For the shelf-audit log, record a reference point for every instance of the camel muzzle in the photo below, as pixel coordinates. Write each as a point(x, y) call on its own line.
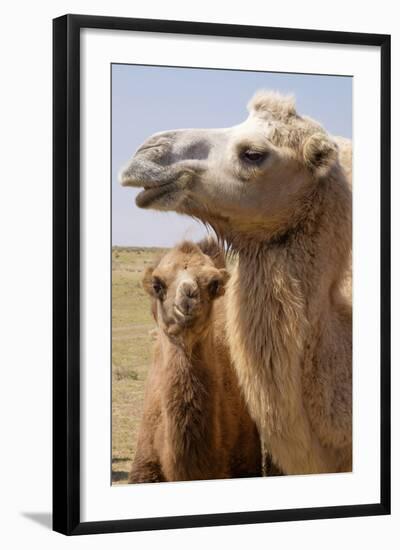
point(165, 157)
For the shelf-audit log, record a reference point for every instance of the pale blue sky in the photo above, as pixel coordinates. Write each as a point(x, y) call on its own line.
point(146, 100)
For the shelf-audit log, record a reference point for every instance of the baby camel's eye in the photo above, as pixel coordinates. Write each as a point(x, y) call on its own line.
point(158, 287)
point(213, 287)
point(251, 156)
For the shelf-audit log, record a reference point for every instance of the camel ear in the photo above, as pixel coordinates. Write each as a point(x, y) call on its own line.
point(320, 153)
point(216, 286)
point(211, 248)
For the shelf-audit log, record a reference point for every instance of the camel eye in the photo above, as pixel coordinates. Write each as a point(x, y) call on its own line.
point(213, 287)
point(158, 287)
point(253, 157)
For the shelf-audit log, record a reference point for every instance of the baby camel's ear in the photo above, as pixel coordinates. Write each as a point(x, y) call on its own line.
point(147, 281)
point(216, 286)
point(320, 153)
point(211, 248)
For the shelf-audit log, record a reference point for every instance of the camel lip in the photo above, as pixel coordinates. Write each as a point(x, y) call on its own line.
point(131, 181)
point(128, 181)
point(181, 313)
point(149, 194)
point(186, 319)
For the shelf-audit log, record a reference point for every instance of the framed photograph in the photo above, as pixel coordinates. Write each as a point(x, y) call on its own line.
point(221, 274)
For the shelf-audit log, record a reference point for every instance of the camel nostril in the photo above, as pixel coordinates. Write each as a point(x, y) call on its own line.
point(189, 290)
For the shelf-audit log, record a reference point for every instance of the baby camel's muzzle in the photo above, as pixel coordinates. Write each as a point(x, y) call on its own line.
point(187, 300)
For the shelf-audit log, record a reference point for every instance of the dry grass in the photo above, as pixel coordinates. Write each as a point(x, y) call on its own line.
point(131, 351)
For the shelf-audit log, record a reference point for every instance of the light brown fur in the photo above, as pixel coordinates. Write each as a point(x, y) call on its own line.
point(195, 424)
point(277, 189)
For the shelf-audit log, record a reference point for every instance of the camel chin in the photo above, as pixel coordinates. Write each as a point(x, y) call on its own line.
point(158, 198)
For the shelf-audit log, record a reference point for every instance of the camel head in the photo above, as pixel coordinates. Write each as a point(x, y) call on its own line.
point(184, 285)
point(253, 178)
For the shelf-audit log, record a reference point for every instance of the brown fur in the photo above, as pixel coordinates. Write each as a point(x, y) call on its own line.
point(297, 380)
point(288, 216)
point(195, 424)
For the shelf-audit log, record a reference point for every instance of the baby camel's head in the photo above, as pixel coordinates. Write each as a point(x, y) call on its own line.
point(184, 284)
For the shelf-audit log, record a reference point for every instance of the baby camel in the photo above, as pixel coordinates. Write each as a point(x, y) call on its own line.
point(195, 424)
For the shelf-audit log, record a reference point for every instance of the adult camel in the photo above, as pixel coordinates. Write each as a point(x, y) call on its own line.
point(276, 189)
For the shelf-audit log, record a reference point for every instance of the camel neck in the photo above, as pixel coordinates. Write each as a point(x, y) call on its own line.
point(279, 293)
point(186, 356)
point(312, 258)
point(189, 402)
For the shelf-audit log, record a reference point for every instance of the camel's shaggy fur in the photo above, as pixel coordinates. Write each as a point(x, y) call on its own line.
point(195, 423)
point(277, 189)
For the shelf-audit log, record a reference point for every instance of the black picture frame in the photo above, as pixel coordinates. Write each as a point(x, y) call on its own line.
point(66, 273)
